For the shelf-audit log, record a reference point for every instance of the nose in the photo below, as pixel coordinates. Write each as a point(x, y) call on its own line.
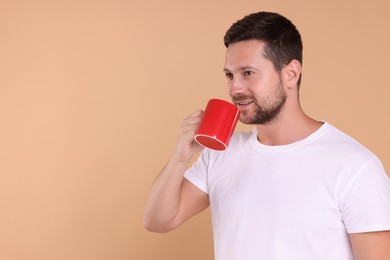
point(235, 87)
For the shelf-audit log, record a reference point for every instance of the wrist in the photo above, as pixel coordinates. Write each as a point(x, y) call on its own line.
point(179, 158)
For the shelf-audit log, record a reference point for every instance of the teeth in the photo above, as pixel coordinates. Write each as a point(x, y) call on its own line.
point(245, 103)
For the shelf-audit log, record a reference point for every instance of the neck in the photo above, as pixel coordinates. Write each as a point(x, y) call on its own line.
point(290, 126)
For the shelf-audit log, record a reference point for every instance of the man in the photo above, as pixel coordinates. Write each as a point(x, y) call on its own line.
point(294, 188)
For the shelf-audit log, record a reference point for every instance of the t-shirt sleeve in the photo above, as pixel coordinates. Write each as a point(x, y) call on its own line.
point(197, 173)
point(365, 200)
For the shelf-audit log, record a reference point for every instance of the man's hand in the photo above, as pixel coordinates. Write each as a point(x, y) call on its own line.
point(186, 146)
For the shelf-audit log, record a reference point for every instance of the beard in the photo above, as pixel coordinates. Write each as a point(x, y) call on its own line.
point(267, 110)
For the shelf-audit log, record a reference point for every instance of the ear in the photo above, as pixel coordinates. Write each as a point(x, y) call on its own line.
point(291, 74)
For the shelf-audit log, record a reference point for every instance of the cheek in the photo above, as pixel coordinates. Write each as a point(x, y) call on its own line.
point(265, 84)
point(257, 86)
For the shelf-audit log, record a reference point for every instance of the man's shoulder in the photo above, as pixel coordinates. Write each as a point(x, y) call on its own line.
point(340, 141)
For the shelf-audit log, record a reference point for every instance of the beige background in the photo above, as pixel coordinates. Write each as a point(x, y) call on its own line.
point(92, 93)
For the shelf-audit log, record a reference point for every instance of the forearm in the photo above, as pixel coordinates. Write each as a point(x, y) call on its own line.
point(371, 245)
point(164, 197)
point(165, 202)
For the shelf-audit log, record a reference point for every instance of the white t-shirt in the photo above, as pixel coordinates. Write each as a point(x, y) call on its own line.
point(292, 202)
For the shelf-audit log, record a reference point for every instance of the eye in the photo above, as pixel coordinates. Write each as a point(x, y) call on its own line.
point(248, 73)
point(229, 75)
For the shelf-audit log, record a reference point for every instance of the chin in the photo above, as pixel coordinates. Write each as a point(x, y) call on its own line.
point(246, 120)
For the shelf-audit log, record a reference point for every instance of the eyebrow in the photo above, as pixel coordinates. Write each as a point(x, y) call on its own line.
point(241, 68)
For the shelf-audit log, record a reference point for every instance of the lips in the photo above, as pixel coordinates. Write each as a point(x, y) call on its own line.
point(244, 103)
point(241, 103)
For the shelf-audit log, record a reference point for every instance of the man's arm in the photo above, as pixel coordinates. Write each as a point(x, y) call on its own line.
point(371, 245)
point(173, 199)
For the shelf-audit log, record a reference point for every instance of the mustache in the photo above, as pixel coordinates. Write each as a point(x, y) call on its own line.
point(241, 97)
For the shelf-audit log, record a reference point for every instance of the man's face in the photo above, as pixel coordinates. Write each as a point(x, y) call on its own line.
point(254, 85)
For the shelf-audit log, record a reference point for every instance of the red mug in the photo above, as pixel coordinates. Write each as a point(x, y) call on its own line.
point(217, 125)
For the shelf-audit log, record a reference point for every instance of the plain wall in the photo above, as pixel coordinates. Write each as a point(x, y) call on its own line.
point(92, 94)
